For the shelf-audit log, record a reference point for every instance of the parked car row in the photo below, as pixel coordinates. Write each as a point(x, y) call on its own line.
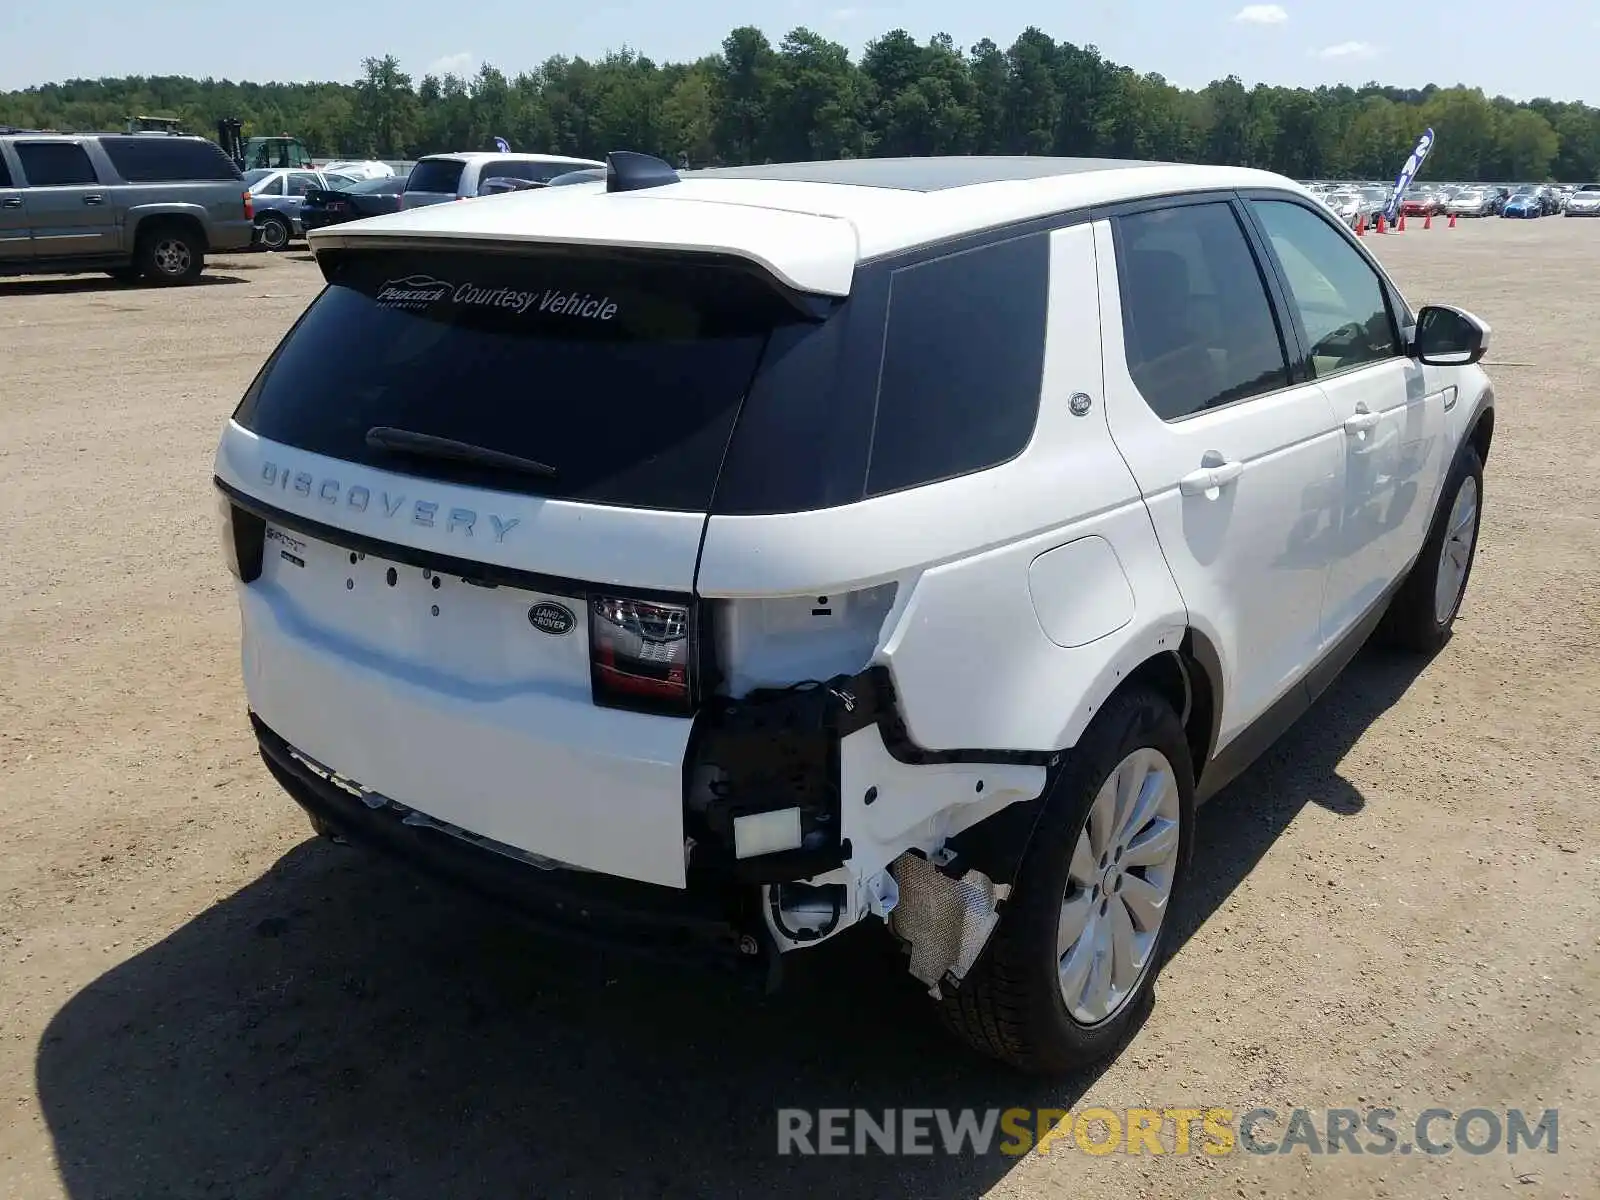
point(1354, 202)
point(291, 203)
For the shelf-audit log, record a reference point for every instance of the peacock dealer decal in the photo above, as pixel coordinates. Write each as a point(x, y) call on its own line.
point(417, 293)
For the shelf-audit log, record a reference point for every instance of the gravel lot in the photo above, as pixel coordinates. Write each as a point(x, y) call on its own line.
point(1398, 907)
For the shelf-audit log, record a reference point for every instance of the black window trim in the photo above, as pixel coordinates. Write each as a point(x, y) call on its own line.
point(1290, 336)
point(1394, 303)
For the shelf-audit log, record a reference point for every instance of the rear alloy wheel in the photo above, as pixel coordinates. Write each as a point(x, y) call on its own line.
point(170, 254)
point(274, 232)
point(1423, 612)
point(1084, 932)
point(1118, 884)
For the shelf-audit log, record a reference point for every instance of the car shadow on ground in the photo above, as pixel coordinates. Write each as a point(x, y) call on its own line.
point(337, 1028)
point(75, 284)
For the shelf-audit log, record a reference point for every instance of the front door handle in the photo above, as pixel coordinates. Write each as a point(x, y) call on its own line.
point(1209, 481)
point(1362, 421)
point(11, 202)
point(94, 199)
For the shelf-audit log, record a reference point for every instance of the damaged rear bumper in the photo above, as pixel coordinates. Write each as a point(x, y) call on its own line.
point(927, 841)
point(583, 905)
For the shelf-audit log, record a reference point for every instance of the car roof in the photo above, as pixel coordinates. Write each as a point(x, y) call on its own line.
point(808, 223)
point(470, 156)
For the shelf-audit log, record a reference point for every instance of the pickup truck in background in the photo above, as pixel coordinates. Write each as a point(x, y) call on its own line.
point(136, 206)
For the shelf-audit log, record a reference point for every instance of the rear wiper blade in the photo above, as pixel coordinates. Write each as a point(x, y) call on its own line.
point(426, 445)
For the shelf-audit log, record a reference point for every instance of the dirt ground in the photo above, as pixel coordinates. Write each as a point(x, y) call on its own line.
point(1398, 907)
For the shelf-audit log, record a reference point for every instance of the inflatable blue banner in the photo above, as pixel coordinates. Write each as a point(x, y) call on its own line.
point(502, 145)
point(1408, 173)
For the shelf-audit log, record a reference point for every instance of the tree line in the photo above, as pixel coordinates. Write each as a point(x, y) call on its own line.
point(806, 98)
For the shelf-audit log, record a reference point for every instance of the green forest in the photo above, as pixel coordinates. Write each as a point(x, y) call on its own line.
point(807, 98)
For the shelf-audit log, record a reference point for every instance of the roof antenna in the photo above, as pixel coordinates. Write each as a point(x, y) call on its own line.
point(629, 171)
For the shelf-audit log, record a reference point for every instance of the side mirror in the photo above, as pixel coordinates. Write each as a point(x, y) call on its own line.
point(1449, 337)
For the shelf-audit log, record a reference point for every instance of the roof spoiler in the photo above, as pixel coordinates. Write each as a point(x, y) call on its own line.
point(630, 171)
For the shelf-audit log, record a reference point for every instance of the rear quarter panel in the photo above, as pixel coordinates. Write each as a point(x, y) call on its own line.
point(965, 640)
point(217, 205)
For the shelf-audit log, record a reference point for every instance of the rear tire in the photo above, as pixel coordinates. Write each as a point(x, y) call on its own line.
point(1014, 1004)
point(1423, 612)
point(170, 253)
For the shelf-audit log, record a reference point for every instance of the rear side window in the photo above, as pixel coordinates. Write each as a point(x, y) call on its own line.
point(435, 175)
point(167, 160)
point(55, 164)
point(963, 362)
point(624, 377)
point(1197, 326)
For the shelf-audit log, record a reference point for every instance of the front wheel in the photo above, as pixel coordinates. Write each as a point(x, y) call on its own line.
point(1084, 932)
point(1423, 612)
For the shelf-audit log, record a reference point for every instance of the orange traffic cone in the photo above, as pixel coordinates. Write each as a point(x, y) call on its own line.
point(1401, 227)
point(1381, 228)
point(1361, 224)
point(1427, 220)
point(1452, 220)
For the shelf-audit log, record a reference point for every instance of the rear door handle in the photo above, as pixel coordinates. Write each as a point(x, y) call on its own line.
point(1362, 421)
point(94, 199)
point(11, 202)
point(1209, 481)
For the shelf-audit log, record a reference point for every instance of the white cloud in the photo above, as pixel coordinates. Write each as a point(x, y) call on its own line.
point(1261, 14)
point(1359, 51)
point(462, 64)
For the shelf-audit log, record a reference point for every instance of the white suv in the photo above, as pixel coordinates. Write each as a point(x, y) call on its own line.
point(723, 561)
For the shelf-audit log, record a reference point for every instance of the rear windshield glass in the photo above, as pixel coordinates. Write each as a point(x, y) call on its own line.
point(623, 376)
point(535, 171)
point(435, 175)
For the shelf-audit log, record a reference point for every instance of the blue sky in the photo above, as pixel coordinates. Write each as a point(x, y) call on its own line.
point(1537, 48)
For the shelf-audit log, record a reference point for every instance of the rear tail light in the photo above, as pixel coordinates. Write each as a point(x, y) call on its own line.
point(249, 207)
point(643, 654)
point(243, 536)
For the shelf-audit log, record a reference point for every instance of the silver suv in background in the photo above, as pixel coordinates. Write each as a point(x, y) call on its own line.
point(441, 177)
point(134, 206)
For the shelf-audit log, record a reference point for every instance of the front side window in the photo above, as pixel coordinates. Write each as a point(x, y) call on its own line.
point(1338, 296)
point(301, 182)
point(1197, 324)
point(55, 164)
